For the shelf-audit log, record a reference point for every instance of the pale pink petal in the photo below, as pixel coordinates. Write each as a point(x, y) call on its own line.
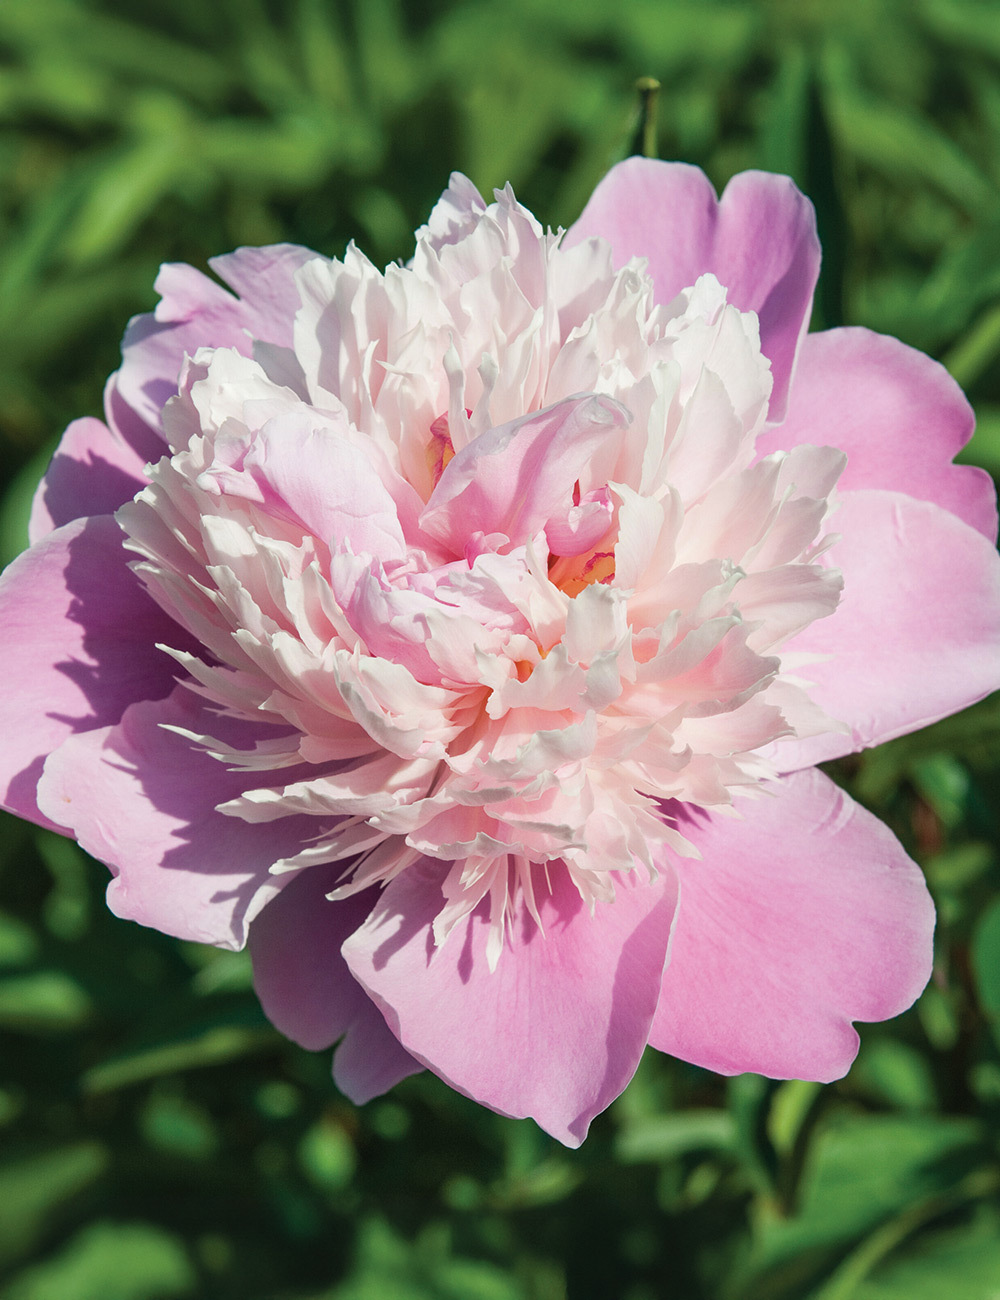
point(798, 919)
point(898, 415)
point(195, 312)
point(93, 472)
point(264, 278)
point(917, 633)
point(142, 800)
point(308, 993)
point(456, 212)
point(582, 526)
point(759, 240)
point(557, 1029)
point(77, 642)
point(514, 478)
point(328, 483)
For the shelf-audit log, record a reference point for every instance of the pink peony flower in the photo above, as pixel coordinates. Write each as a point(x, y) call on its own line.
point(464, 637)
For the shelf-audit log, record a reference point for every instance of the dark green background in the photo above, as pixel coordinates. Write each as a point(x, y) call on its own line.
point(157, 1138)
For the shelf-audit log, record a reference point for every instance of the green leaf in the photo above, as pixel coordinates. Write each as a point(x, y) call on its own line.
point(15, 510)
point(67, 905)
point(327, 1155)
point(43, 1002)
point(18, 943)
point(390, 71)
point(963, 282)
point(177, 1125)
point(219, 970)
point(327, 61)
point(955, 870)
point(986, 963)
point(513, 94)
point(194, 1050)
point(963, 1265)
point(546, 1183)
point(971, 25)
point(749, 1101)
point(784, 122)
point(673, 39)
point(973, 1267)
point(978, 349)
point(111, 1261)
point(862, 1172)
point(896, 141)
point(939, 1017)
point(666, 1137)
point(896, 1074)
point(33, 1185)
point(94, 39)
point(944, 783)
point(388, 1265)
point(122, 194)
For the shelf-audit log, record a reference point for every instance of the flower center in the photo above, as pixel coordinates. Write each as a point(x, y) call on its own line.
point(572, 573)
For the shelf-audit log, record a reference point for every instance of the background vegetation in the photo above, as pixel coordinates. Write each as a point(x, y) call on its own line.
point(157, 1138)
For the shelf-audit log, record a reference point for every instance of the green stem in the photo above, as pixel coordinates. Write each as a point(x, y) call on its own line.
point(648, 89)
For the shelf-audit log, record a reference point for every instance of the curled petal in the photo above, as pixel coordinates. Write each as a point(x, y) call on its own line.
point(513, 479)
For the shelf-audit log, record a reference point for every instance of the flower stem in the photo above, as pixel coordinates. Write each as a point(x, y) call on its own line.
point(648, 89)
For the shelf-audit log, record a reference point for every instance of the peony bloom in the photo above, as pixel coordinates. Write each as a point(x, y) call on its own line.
point(464, 636)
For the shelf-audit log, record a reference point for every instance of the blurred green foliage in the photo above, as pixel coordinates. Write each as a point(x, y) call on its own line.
point(158, 1138)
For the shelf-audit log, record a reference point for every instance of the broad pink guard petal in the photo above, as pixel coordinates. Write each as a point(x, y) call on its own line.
point(917, 633)
point(899, 415)
point(309, 994)
point(759, 240)
point(179, 865)
point(556, 1031)
point(78, 644)
point(800, 917)
point(93, 472)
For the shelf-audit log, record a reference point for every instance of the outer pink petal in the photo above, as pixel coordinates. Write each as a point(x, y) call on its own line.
point(197, 312)
point(916, 636)
point(93, 472)
point(147, 442)
point(800, 918)
point(142, 799)
point(759, 240)
point(556, 1031)
point(899, 416)
point(77, 642)
point(309, 994)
